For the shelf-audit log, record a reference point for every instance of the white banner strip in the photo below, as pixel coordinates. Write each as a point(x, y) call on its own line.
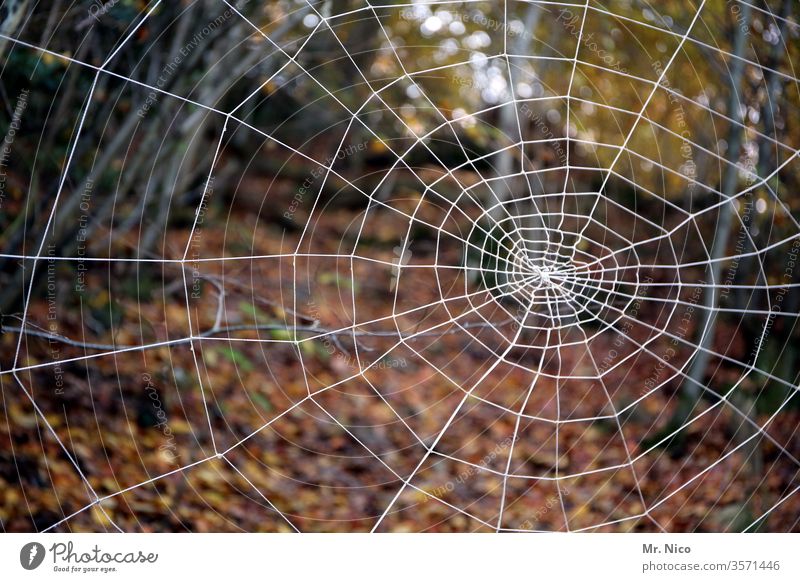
point(400, 557)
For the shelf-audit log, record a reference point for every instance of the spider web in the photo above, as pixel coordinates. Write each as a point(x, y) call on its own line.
point(499, 308)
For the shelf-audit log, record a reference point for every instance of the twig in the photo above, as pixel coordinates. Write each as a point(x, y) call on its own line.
point(215, 331)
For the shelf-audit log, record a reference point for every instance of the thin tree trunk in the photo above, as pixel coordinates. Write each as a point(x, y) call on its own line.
point(755, 454)
point(509, 114)
point(690, 391)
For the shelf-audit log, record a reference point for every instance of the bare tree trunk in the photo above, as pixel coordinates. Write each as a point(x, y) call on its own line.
point(510, 123)
point(755, 454)
point(166, 178)
point(690, 391)
point(509, 115)
point(15, 14)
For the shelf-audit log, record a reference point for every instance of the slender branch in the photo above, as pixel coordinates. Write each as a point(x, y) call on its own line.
point(216, 331)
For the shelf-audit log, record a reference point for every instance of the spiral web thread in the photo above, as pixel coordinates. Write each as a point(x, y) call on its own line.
point(531, 285)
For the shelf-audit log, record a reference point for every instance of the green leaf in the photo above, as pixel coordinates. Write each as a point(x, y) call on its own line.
point(263, 402)
point(238, 358)
point(253, 311)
